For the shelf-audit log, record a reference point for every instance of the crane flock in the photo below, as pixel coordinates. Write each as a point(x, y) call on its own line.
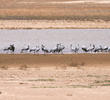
point(59, 49)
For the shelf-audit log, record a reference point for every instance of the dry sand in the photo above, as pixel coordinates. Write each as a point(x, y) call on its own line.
point(55, 77)
point(79, 1)
point(38, 14)
point(54, 24)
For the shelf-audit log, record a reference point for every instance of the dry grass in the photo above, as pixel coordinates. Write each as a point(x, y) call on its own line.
point(81, 86)
point(96, 83)
point(43, 80)
point(102, 82)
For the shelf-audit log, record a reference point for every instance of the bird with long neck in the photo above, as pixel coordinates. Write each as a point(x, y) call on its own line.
point(74, 49)
point(44, 49)
point(25, 49)
point(10, 48)
point(91, 48)
point(60, 48)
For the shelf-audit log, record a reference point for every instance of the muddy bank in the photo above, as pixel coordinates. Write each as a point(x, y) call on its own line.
point(72, 60)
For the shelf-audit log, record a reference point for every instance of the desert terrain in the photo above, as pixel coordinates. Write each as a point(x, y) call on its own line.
point(54, 14)
point(54, 76)
point(67, 77)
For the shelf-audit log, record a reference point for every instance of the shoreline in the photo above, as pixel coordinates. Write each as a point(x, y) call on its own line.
point(53, 24)
point(40, 60)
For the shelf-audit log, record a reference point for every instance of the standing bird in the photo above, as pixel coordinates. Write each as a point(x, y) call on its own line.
point(98, 49)
point(35, 49)
point(60, 48)
point(90, 49)
point(74, 49)
point(25, 49)
point(44, 49)
point(10, 48)
point(108, 49)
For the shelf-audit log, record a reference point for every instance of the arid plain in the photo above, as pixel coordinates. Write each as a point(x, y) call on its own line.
point(54, 14)
point(52, 76)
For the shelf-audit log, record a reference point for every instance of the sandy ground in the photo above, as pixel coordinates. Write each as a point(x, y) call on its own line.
point(50, 77)
point(54, 24)
point(88, 83)
point(68, 2)
point(55, 77)
point(38, 14)
point(55, 60)
point(80, 1)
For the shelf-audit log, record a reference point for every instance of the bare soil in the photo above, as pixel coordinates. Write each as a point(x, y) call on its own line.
point(55, 10)
point(55, 77)
point(72, 60)
point(53, 24)
point(37, 14)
